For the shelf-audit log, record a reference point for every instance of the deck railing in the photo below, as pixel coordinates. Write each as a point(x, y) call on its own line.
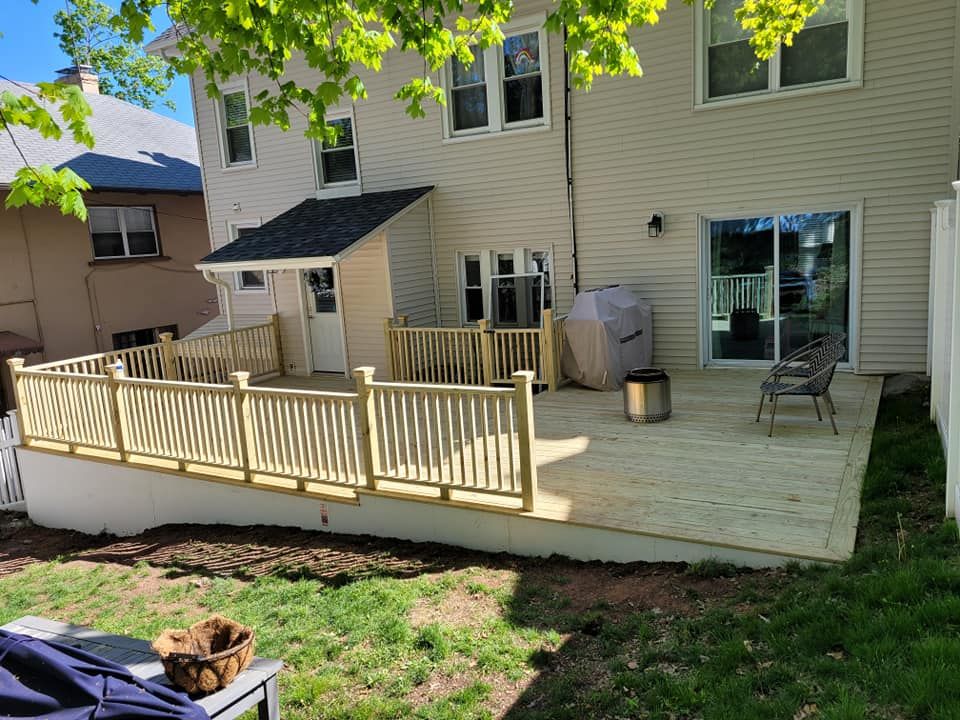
point(449, 438)
point(209, 359)
point(474, 355)
point(733, 292)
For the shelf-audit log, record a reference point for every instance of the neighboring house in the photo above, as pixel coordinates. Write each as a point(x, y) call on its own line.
point(73, 288)
point(755, 209)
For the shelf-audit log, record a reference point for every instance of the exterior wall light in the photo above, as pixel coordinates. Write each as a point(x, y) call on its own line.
point(655, 226)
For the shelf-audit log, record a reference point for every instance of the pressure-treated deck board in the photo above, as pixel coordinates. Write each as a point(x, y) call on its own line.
point(710, 474)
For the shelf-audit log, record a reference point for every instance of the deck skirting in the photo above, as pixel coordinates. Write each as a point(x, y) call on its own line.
point(94, 495)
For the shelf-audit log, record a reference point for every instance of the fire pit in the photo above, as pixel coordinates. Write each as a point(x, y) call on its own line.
point(646, 395)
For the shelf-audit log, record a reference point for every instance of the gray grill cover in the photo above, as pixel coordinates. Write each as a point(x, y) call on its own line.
point(608, 333)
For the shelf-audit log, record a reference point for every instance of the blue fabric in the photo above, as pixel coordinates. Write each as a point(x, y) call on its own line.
point(50, 680)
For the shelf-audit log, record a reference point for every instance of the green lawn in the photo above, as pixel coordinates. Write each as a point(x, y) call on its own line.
point(384, 634)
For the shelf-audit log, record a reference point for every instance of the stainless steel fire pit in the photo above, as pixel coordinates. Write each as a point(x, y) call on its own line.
point(646, 395)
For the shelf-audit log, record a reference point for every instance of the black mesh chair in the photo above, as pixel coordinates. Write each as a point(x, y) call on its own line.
point(814, 366)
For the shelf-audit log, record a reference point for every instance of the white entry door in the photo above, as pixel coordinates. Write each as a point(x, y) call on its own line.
point(323, 317)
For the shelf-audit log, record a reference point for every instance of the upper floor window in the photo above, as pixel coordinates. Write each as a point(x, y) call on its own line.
point(338, 163)
point(119, 232)
point(237, 132)
point(505, 87)
point(827, 51)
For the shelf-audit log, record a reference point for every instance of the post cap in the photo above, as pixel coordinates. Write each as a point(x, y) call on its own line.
point(166, 336)
point(15, 362)
point(522, 376)
point(239, 375)
point(365, 372)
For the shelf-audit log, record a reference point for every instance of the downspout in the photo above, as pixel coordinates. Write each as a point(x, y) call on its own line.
point(227, 293)
point(568, 159)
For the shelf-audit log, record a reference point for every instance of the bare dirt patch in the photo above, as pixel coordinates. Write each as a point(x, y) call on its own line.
point(458, 607)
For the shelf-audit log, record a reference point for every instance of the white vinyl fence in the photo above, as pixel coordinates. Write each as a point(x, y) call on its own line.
point(11, 492)
point(944, 339)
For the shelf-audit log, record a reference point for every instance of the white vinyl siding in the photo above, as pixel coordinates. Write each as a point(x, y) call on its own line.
point(411, 267)
point(366, 302)
point(638, 147)
point(886, 145)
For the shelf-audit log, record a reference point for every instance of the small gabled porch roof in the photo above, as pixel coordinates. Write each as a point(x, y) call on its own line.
point(315, 232)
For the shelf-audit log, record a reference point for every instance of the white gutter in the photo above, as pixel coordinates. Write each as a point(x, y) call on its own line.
point(281, 264)
point(227, 293)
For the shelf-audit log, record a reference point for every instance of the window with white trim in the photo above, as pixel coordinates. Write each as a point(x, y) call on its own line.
point(505, 87)
point(828, 51)
point(509, 288)
point(246, 280)
point(120, 232)
point(237, 132)
point(338, 163)
point(471, 282)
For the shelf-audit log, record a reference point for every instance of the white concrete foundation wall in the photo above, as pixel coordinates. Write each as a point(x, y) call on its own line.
point(94, 496)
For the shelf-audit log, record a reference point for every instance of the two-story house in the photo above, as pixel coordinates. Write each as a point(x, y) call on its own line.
point(755, 205)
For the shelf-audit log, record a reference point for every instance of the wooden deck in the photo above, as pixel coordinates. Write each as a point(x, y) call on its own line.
point(710, 474)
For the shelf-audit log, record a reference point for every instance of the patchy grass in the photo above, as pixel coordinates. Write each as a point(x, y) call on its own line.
point(371, 630)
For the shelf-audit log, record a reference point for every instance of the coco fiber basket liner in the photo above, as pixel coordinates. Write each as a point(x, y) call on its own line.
point(207, 656)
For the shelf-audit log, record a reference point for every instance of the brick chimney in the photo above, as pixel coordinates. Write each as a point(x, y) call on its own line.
point(81, 75)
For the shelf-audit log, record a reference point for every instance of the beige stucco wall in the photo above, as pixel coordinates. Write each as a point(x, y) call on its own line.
point(51, 290)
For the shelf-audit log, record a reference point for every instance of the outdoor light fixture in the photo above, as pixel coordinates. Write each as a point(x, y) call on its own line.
point(655, 226)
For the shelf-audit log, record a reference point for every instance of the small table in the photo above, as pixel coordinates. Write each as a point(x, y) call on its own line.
point(257, 685)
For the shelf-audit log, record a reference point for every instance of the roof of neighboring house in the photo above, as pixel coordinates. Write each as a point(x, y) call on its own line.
point(136, 149)
point(318, 228)
point(168, 38)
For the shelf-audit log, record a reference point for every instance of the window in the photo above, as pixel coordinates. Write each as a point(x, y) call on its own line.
point(472, 279)
point(248, 279)
point(145, 336)
point(468, 93)
point(505, 87)
point(338, 164)
point(511, 284)
point(237, 131)
point(119, 232)
point(826, 52)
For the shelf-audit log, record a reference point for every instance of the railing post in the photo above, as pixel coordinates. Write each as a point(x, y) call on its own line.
point(167, 357)
point(368, 425)
point(391, 350)
point(117, 410)
point(240, 381)
point(548, 349)
point(275, 325)
point(403, 320)
point(523, 390)
point(19, 396)
point(486, 352)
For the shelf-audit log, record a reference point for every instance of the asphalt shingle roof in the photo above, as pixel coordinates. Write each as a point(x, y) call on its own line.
point(135, 149)
point(318, 228)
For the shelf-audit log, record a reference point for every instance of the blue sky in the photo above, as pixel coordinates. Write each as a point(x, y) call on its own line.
point(29, 52)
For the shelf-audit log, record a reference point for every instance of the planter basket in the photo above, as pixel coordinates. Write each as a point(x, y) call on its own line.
point(207, 656)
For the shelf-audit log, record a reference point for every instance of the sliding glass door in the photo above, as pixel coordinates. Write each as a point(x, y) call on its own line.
point(776, 282)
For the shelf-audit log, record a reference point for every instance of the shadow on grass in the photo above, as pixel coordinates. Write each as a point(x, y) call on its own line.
point(877, 637)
